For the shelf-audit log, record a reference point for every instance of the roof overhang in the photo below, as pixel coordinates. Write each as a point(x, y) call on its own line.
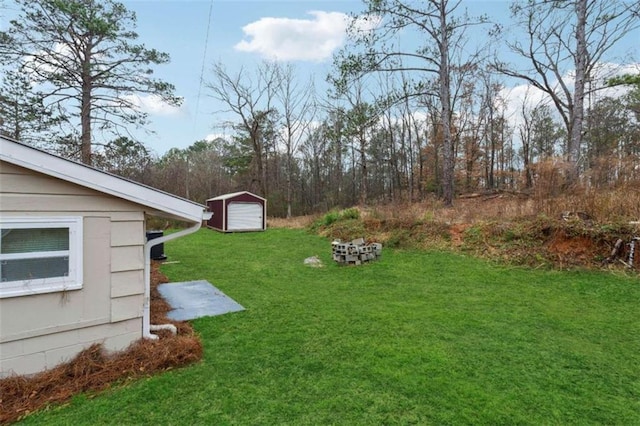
point(155, 201)
point(235, 194)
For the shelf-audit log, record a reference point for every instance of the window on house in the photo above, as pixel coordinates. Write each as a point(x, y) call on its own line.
point(40, 255)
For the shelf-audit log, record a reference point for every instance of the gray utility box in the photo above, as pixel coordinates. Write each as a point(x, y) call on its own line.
point(355, 252)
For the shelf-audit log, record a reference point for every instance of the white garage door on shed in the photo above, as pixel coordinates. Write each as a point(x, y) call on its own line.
point(244, 216)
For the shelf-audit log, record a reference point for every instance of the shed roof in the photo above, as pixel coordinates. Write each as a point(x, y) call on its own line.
point(159, 202)
point(234, 194)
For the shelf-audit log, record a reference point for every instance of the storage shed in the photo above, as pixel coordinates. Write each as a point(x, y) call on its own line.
point(238, 212)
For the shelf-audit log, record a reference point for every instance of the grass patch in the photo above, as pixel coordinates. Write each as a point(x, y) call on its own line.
point(414, 338)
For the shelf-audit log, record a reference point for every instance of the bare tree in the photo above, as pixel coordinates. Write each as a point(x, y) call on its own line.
point(472, 118)
point(565, 42)
point(334, 133)
point(251, 98)
point(297, 102)
point(316, 166)
point(360, 118)
point(490, 95)
point(383, 52)
point(525, 130)
point(82, 53)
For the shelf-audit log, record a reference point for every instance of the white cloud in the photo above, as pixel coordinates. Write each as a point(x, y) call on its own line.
point(42, 61)
point(289, 39)
point(154, 105)
point(530, 97)
point(213, 136)
point(522, 95)
point(366, 23)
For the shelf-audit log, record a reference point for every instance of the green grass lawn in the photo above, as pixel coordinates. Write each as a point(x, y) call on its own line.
point(415, 338)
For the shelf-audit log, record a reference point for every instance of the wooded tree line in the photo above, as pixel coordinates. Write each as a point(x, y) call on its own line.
point(401, 121)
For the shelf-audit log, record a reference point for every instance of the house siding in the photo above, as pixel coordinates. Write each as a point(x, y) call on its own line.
point(28, 356)
point(40, 331)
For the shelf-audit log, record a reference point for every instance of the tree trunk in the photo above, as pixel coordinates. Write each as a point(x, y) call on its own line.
point(492, 153)
point(338, 146)
point(445, 101)
point(577, 117)
point(526, 155)
point(289, 191)
point(363, 168)
point(85, 118)
point(259, 154)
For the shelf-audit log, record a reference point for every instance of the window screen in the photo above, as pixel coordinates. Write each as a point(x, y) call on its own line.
point(34, 240)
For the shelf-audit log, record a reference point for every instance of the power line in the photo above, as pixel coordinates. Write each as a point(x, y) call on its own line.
point(204, 58)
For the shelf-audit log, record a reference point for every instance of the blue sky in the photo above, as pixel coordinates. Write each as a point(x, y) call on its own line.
point(197, 33)
point(241, 33)
point(179, 27)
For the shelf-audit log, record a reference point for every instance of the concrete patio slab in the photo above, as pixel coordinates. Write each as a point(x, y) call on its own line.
point(195, 299)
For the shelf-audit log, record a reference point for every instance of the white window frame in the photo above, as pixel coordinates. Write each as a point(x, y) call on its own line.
point(46, 285)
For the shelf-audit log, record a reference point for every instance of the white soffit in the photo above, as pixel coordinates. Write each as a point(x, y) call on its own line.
point(43, 162)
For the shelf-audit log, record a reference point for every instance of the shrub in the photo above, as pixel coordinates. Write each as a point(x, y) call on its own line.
point(399, 238)
point(350, 213)
point(333, 217)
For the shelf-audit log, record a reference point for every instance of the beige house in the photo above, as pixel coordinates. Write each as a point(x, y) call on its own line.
point(74, 261)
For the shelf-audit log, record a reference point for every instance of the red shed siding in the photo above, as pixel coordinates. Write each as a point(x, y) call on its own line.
point(246, 197)
point(216, 221)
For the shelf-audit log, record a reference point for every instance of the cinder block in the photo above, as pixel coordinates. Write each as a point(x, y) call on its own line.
point(355, 252)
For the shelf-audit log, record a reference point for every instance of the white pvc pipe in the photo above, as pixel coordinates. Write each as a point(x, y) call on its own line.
point(172, 328)
point(146, 312)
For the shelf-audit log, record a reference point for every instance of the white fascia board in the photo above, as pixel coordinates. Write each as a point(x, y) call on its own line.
point(225, 196)
point(89, 177)
point(234, 194)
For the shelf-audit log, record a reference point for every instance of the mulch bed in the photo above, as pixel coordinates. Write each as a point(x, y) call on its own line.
point(94, 370)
